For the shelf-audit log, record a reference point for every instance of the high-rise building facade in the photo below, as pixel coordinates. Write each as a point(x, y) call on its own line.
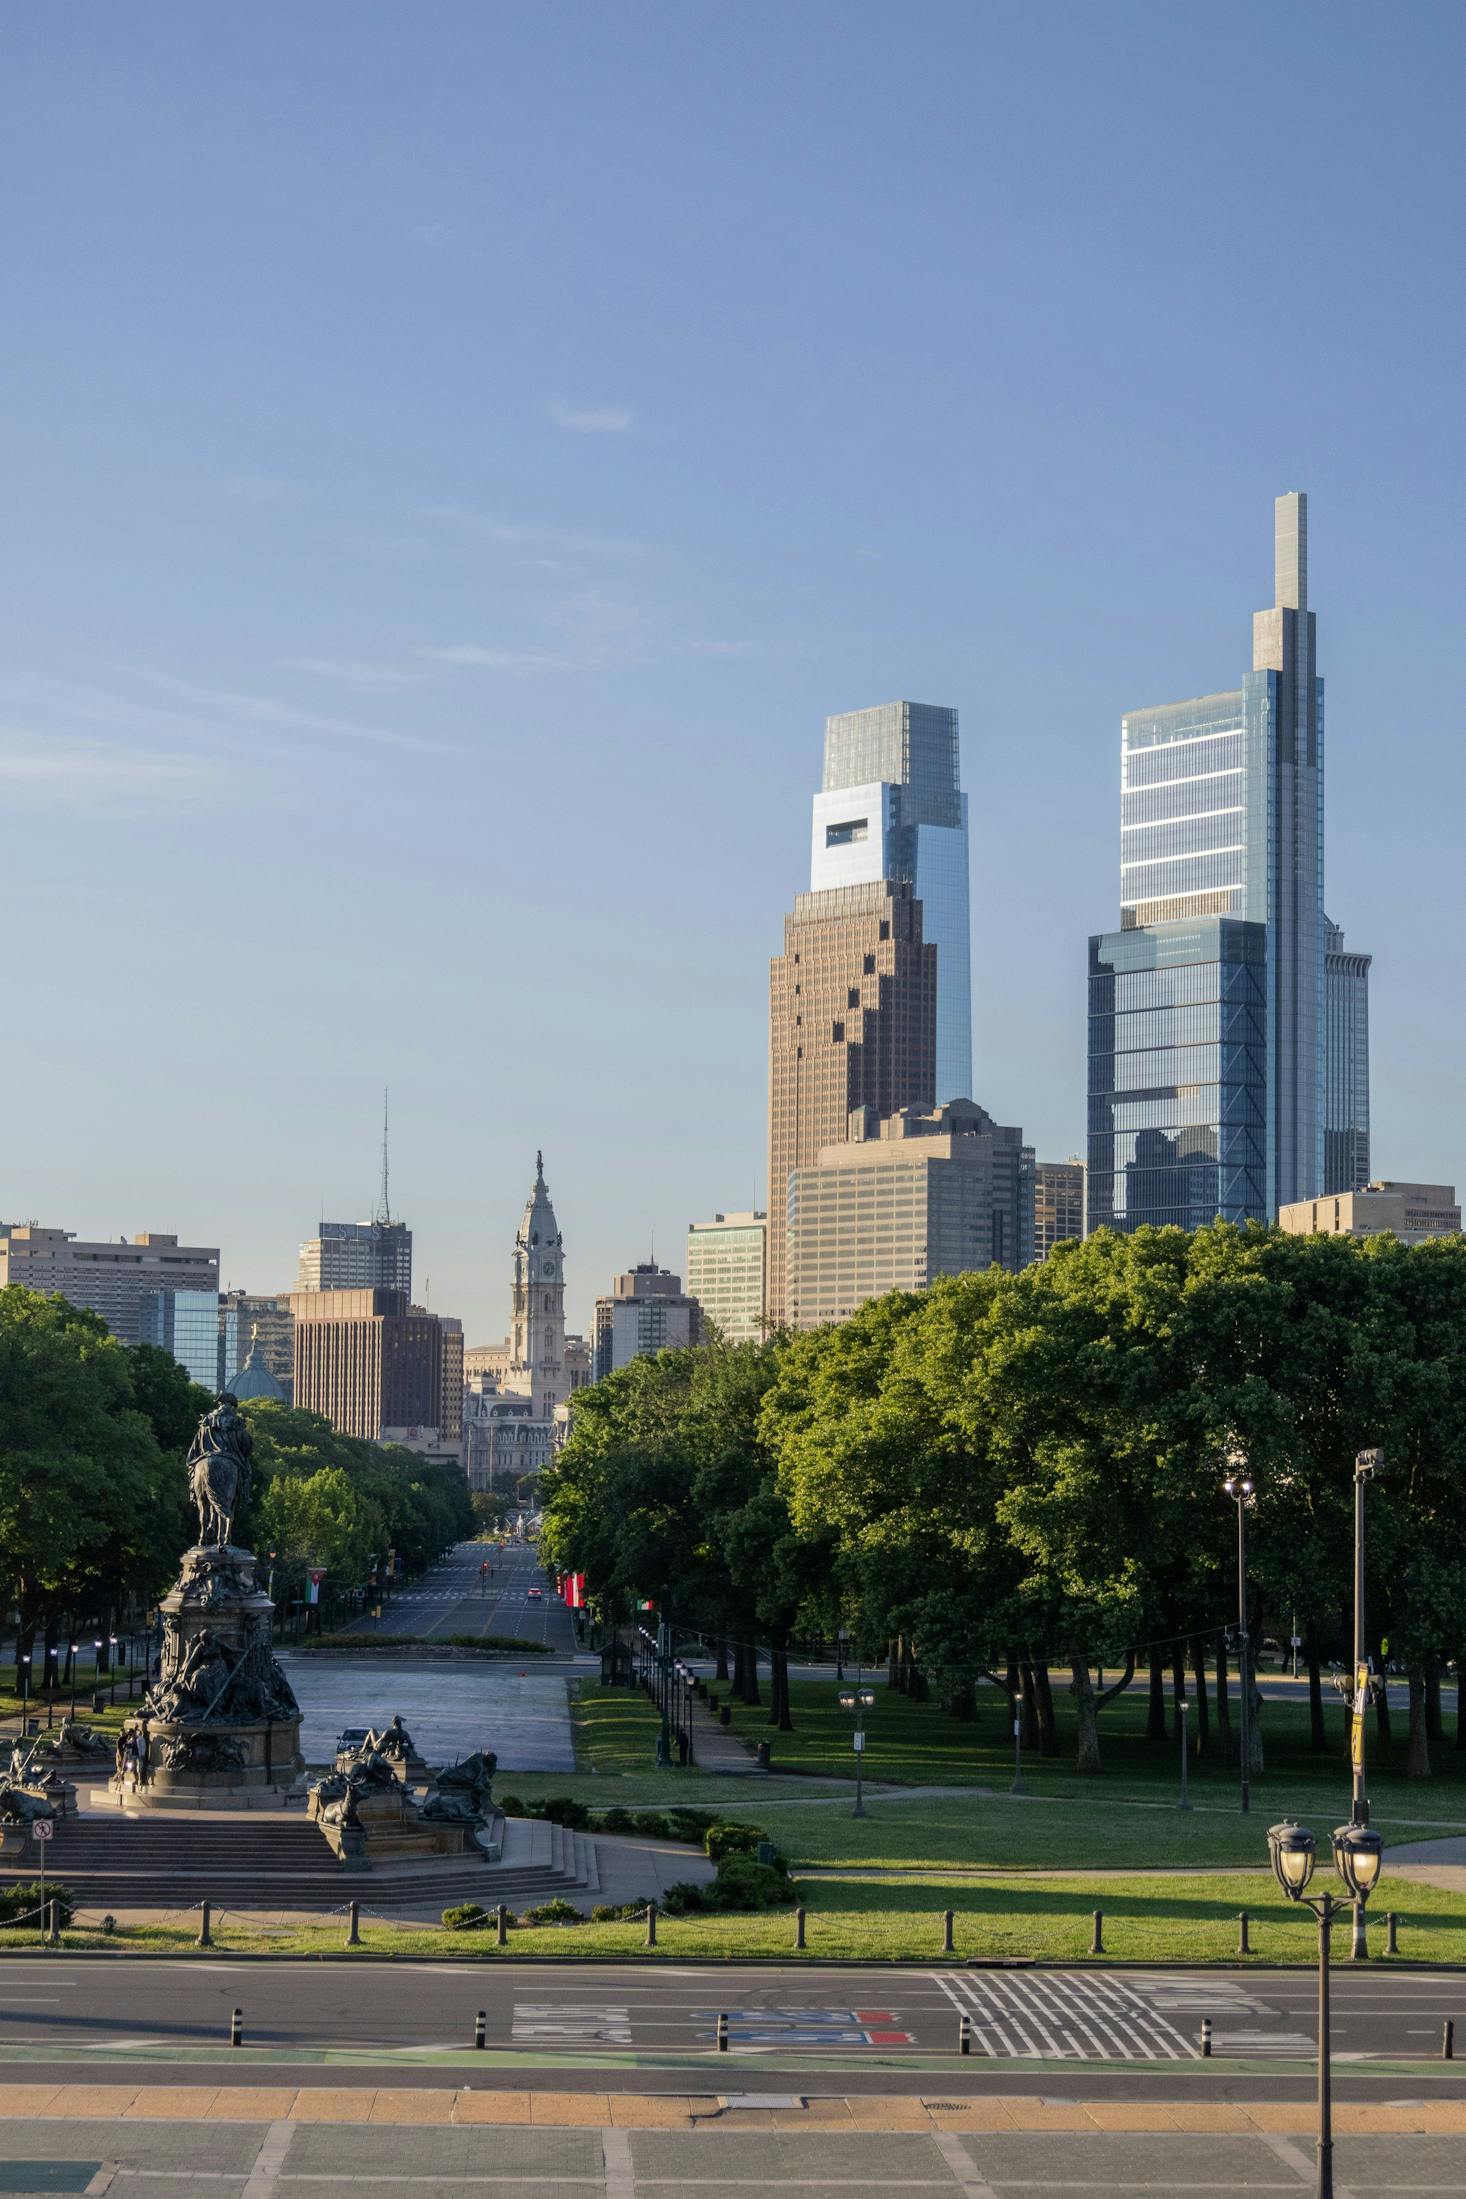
point(264, 1320)
point(902, 1201)
point(891, 807)
point(373, 1255)
point(1346, 1064)
point(184, 1323)
point(1207, 1006)
point(726, 1262)
point(367, 1361)
point(1058, 1204)
point(852, 1024)
point(122, 1280)
point(647, 1311)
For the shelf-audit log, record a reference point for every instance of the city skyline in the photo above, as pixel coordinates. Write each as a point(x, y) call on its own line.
point(441, 554)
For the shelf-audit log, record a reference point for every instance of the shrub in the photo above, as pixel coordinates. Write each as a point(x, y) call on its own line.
point(686, 1898)
point(742, 1883)
point(616, 1821)
point(562, 1809)
point(625, 1912)
point(689, 1824)
point(731, 1839)
point(17, 1902)
point(512, 1806)
point(467, 1916)
point(557, 1911)
point(652, 1824)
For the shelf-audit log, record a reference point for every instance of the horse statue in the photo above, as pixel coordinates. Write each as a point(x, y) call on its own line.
point(219, 1470)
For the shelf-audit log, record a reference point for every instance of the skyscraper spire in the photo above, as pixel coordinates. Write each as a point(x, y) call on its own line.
point(384, 1204)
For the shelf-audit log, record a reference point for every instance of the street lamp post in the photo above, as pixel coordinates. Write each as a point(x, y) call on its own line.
point(1017, 1707)
point(1182, 1706)
point(1239, 1487)
point(111, 1668)
point(859, 1700)
point(1358, 1856)
point(71, 1660)
point(1366, 1465)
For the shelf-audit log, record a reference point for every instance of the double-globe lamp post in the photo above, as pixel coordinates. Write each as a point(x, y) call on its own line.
point(858, 1700)
point(1358, 1858)
point(1239, 1487)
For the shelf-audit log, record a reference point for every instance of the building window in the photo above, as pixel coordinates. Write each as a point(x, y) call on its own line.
point(852, 998)
point(885, 930)
point(870, 965)
point(838, 1033)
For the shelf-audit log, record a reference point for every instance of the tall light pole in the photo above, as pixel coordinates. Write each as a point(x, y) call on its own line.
point(1358, 1856)
point(859, 1700)
point(1366, 1465)
point(1239, 1486)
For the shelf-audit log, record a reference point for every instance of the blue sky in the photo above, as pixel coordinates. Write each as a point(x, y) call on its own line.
point(454, 457)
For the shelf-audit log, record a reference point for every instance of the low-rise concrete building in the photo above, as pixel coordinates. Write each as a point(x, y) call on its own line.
point(1411, 1211)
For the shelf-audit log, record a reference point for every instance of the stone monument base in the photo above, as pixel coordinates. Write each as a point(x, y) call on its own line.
point(223, 1767)
point(388, 1827)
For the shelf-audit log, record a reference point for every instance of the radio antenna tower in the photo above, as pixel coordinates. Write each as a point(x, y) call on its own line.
point(384, 1204)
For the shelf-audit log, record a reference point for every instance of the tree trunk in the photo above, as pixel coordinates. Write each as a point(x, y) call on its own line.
point(1030, 1704)
point(1224, 1703)
point(1435, 1730)
point(1256, 1762)
point(961, 1703)
point(1318, 1732)
point(1087, 1748)
point(916, 1686)
point(1155, 1715)
point(1203, 1699)
point(720, 1676)
point(1460, 1694)
point(1043, 1693)
point(1178, 1688)
point(779, 1712)
point(893, 1665)
point(1011, 1680)
point(1417, 1755)
point(1383, 1733)
point(745, 1673)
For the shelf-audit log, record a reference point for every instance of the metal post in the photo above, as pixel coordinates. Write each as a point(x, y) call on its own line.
point(859, 1810)
point(722, 2031)
point(53, 1920)
point(480, 2030)
point(947, 1918)
point(1366, 1463)
point(799, 1928)
point(1182, 1706)
point(501, 1920)
point(1325, 2187)
point(1392, 1932)
point(236, 2028)
point(964, 2034)
point(651, 1924)
point(1244, 1659)
point(1243, 1944)
point(1206, 2038)
point(206, 1937)
point(1017, 1786)
point(1097, 1944)
point(353, 1931)
point(1448, 2040)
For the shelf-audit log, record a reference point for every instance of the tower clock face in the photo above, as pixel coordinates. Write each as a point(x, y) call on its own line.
point(549, 1267)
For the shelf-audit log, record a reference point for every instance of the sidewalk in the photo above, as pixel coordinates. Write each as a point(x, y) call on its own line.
point(716, 1748)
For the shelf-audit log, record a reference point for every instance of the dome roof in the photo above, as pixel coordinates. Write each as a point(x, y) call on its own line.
point(254, 1378)
point(538, 1226)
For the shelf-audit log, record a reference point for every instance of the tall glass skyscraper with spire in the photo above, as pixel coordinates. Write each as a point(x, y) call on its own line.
point(890, 807)
point(1207, 1007)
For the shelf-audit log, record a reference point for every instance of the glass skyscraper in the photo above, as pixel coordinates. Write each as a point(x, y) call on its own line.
point(890, 807)
point(1346, 1071)
point(1207, 1007)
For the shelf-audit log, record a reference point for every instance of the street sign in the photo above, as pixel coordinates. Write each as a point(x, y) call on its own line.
point(41, 1828)
point(857, 1742)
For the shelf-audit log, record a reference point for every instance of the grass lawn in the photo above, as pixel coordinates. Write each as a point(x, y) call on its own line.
point(1057, 1825)
point(1160, 1919)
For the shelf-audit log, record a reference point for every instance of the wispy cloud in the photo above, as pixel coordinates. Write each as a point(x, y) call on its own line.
point(257, 488)
point(268, 711)
point(516, 535)
point(591, 631)
point(434, 236)
point(94, 775)
point(591, 419)
point(485, 657)
point(358, 673)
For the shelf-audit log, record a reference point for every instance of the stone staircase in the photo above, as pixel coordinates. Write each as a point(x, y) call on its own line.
point(112, 1861)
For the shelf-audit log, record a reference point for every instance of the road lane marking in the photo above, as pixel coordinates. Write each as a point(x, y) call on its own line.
point(269, 2161)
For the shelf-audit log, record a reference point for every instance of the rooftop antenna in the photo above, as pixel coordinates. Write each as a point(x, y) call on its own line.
point(384, 1204)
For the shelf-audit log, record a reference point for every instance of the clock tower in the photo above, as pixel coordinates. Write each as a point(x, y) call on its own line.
point(537, 1340)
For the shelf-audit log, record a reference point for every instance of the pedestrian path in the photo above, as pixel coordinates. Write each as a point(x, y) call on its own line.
point(716, 1748)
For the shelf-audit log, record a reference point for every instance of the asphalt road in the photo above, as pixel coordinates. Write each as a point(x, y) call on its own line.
point(880, 2025)
point(456, 1597)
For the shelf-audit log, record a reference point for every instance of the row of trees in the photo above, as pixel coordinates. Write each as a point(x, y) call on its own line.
point(94, 1504)
point(1012, 1473)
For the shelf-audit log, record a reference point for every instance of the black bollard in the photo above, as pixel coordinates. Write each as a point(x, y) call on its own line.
point(480, 2029)
point(1448, 2041)
point(501, 1921)
point(1206, 2038)
point(651, 1924)
point(723, 2032)
point(1392, 1933)
point(1243, 1947)
point(52, 1920)
point(1097, 1944)
point(799, 1928)
point(236, 2028)
point(964, 2034)
point(353, 1930)
point(206, 1937)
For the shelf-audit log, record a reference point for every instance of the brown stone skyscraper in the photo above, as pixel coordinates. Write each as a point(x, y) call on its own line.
point(852, 1023)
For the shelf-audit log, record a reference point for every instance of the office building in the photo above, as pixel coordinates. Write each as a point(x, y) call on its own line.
point(1207, 1019)
point(122, 1280)
point(374, 1255)
point(450, 1408)
point(264, 1319)
point(726, 1260)
point(184, 1323)
point(891, 807)
point(852, 1025)
point(367, 1361)
point(1411, 1211)
point(1058, 1203)
point(1346, 1065)
point(902, 1201)
point(646, 1312)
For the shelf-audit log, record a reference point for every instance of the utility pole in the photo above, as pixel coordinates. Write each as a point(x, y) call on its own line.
point(1366, 1465)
